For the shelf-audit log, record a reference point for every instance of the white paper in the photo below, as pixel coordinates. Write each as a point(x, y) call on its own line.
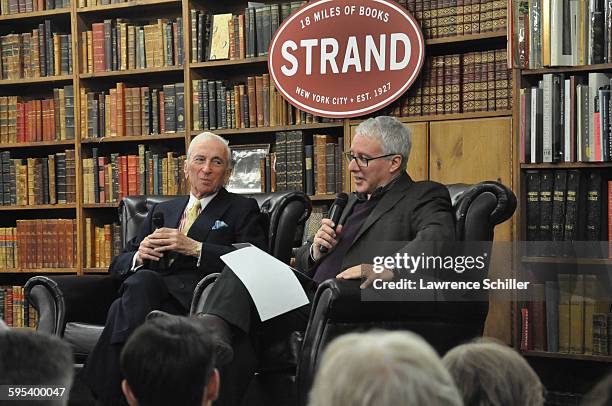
point(271, 283)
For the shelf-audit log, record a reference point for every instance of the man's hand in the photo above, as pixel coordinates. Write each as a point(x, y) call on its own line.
point(365, 271)
point(170, 239)
point(146, 251)
point(326, 236)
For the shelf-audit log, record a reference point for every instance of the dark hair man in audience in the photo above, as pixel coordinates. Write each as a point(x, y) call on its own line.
point(383, 369)
point(30, 358)
point(388, 206)
point(601, 394)
point(169, 361)
point(490, 373)
point(197, 230)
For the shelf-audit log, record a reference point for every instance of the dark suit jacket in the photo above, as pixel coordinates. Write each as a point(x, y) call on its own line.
point(409, 211)
point(245, 223)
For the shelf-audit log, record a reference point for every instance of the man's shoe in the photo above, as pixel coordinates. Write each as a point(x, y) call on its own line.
point(221, 335)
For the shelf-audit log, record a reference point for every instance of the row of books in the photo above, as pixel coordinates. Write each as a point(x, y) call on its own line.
point(237, 36)
point(15, 309)
point(127, 111)
point(216, 105)
point(37, 120)
point(561, 32)
point(118, 44)
point(27, 6)
point(8, 248)
point(459, 83)
point(566, 119)
point(459, 17)
point(42, 52)
point(568, 205)
point(102, 244)
point(567, 315)
point(109, 178)
point(35, 181)
point(45, 243)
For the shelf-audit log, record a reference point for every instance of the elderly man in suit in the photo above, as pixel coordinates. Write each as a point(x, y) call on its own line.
point(388, 206)
point(196, 231)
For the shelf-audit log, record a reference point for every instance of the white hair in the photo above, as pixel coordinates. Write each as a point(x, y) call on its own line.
point(206, 136)
point(383, 369)
point(394, 136)
point(490, 373)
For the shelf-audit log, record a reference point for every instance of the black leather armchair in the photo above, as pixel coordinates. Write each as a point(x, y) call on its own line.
point(75, 307)
point(338, 308)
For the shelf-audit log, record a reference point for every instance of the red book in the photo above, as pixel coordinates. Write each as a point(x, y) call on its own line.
point(39, 127)
point(29, 121)
point(132, 175)
point(51, 120)
point(99, 59)
point(102, 177)
point(162, 124)
point(525, 334)
point(123, 177)
point(597, 138)
point(21, 122)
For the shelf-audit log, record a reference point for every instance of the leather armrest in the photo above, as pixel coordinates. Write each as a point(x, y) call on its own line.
point(87, 298)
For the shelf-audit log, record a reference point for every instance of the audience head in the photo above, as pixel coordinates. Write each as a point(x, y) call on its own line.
point(208, 164)
point(383, 369)
point(31, 358)
point(601, 394)
point(169, 361)
point(490, 373)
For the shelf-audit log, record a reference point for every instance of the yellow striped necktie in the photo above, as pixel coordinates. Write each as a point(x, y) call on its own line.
point(192, 215)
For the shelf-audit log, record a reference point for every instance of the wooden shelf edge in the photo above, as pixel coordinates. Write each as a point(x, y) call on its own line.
point(575, 357)
point(466, 38)
point(112, 205)
point(129, 4)
point(567, 69)
point(568, 165)
point(34, 14)
point(231, 131)
point(38, 270)
point(561, 260)
point(228, 62)
point(143, 138)
point(40, 207)
point(445, 117)
point(318, 198)
point(95, 270)
point(44, 79)
point(116, 73)
point(38, 144)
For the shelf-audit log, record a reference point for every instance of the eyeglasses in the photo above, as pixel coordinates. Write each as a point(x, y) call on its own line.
point(362, 162)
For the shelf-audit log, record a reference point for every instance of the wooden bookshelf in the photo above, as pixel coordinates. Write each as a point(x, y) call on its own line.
point(38, 144)
point(483, 36)
point(255, 130)
point(39, 270)
point(562, 260)
point(67, 206)
point(322, 198)
point(121, 73)
point(227, 62)
point(134, 4)
point(44, 79)
point(95, 271)
point(568, 69)
point(36, 14)
point(135, 138)
point(111, 205)
point(575, 357)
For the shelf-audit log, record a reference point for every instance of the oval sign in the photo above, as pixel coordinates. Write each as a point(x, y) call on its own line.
point(346, 58)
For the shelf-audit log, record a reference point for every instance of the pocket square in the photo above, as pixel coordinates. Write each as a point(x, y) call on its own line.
point(219, 224)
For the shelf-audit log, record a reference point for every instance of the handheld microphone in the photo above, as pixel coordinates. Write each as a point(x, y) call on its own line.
point(334, 214)
point(162, 264)
point(158, 220)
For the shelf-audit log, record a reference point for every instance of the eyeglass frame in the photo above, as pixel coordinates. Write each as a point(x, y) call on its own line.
point(349, 157)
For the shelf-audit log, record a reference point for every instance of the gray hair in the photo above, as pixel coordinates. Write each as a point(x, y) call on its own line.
point(394, 136)
point(31, 358)
point(490, 373)
point(601, 394)
point(384, 369)
point(206, 136)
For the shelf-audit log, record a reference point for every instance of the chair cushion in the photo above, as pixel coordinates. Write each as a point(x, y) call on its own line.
point(83, 338)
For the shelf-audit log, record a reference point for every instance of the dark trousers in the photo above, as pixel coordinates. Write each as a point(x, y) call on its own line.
point(231, 301)
point(139, 294)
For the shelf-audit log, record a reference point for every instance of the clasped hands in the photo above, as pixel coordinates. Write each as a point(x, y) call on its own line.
point(328, 236)
point(166, 239)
